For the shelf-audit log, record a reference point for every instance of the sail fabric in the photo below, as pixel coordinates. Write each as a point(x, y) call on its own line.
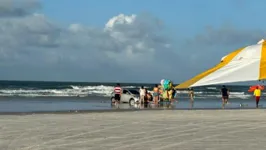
point(245, 64)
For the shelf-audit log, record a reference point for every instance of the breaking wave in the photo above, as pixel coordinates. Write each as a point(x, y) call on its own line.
point(66, 89)
point(71, 91)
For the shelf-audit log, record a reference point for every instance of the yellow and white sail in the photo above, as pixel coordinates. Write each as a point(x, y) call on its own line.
point(244, 64)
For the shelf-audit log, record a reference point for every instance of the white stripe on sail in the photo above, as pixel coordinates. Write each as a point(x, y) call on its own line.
point(243, 67)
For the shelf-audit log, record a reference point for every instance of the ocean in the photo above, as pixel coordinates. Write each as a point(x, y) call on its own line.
point(35, 96)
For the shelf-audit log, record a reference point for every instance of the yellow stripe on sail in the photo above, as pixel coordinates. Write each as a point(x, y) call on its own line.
point(263, 62)
point(195, 79)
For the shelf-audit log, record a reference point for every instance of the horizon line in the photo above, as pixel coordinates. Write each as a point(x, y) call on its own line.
point(110, 82)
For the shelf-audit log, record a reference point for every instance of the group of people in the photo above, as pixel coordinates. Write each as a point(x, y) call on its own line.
point(224, 91)
point(225, 95)
point(146, 96)
point(156, 96)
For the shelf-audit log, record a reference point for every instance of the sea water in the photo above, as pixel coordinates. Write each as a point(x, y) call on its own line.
point(31, 96)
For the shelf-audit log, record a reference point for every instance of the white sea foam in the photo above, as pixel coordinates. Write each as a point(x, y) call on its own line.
point(106, 91)
point(209, 94)
point(212, 88)
point(100, 90)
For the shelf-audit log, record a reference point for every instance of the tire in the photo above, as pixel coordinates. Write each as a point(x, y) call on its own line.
point(131, 101)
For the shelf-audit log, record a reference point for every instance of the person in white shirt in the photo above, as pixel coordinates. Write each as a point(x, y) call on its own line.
point(142, 94)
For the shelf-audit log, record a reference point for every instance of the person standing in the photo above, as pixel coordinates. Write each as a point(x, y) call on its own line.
point(142, 94)
point(191, 96)
point(257, 94)
point(225, 95)
point(156, 94)
point(173, 95)
point(118, 92)
point(146, 95)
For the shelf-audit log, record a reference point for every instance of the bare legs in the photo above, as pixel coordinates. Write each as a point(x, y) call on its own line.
point(191, 102)
point(156, 99)
point(172, 101)
point(141, 99)
point(225, 101)
point(257, 101)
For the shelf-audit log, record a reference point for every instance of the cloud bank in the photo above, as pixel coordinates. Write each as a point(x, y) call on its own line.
point(127, 48)
point(130, 48)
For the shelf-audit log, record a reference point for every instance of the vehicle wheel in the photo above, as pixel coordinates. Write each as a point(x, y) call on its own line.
point(131, 101)
point(112, 100)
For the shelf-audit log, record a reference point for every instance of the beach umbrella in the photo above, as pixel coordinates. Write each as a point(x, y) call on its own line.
point(245, 64)
point(252, 88)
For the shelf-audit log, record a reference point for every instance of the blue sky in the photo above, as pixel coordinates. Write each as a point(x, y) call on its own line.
point(70, 40)
point(187, 16)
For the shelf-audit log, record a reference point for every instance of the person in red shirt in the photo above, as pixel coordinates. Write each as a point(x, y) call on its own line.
point(118, 92)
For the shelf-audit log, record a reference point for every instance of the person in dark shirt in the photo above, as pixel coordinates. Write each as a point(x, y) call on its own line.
point(225, 95)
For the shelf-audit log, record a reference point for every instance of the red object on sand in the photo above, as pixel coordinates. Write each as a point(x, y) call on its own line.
point(252, 88)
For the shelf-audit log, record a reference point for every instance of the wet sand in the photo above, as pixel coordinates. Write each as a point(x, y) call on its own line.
point(17, 105)
point(157, 130)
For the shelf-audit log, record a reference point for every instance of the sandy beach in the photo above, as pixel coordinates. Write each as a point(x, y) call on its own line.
point(157, 130)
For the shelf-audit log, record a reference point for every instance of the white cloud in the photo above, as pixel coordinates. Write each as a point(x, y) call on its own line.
point(120, 19)
point(128, 45)
point(129, 48)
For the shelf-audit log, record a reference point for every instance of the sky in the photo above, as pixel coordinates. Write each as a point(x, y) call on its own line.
point(122, 40)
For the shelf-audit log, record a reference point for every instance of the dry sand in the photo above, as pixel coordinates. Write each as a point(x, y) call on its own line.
point(144, 130)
